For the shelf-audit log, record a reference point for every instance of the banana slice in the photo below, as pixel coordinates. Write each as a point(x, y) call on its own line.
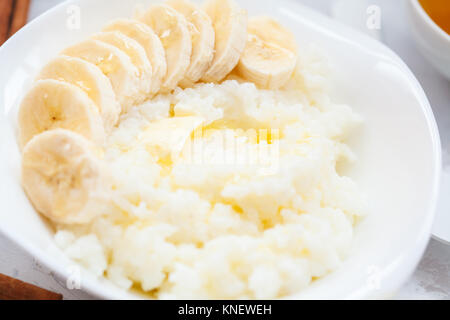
point(90, 79)
point(150, 42)
point(62, 176)
point(203, 39)
point(270, 56)
point(54, 104)
point(116, 65)
point(135, 51)
point(230, 26)
point(172, 29)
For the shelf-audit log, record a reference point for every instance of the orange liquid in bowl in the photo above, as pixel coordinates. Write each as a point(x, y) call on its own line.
point(439, 11)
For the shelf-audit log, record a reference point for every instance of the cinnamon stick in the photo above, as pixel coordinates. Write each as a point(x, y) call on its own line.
point(13, 289)
point(19, 17)
point(6, 7)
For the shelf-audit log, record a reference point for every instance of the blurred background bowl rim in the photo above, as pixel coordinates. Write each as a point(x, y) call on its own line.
point(429, 21)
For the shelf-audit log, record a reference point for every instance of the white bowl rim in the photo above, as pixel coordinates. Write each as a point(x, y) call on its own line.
point(430, 22)
point(412, 258)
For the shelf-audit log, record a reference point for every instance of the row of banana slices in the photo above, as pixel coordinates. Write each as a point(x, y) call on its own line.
point(79, 96)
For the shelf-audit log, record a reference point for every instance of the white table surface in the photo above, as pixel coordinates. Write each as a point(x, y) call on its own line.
point(431, 280)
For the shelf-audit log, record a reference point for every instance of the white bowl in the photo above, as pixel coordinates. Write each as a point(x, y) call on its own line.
point(399, 148)
point(432, 41)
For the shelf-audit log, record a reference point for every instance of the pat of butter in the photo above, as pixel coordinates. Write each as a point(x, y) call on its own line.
point(169, 136)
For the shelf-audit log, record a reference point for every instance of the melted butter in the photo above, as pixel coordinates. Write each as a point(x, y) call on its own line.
point(107, 65)
point(84, 86)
